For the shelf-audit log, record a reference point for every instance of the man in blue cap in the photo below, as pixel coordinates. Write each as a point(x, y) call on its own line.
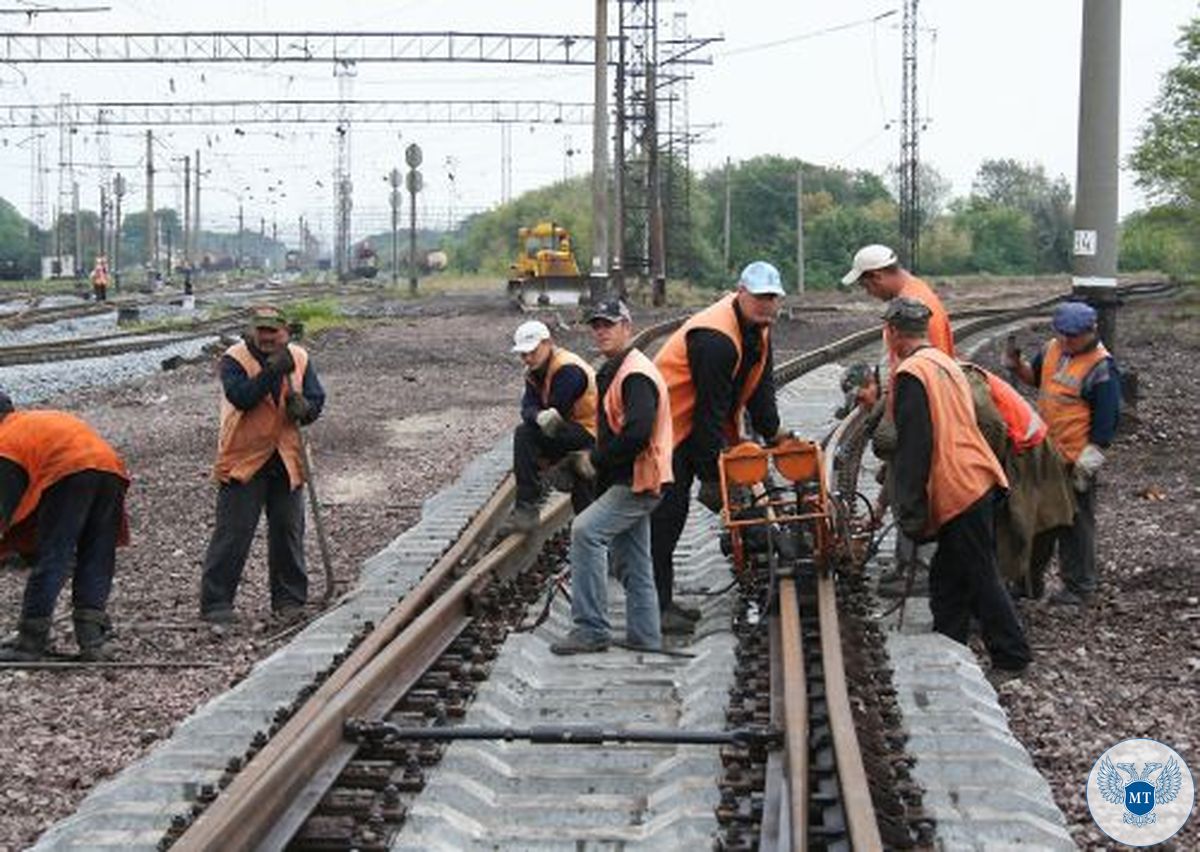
point(1079, 397)
point(716, 366)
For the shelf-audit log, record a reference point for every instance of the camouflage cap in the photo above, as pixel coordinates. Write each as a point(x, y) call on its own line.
point(267, 316)
point(907, 315)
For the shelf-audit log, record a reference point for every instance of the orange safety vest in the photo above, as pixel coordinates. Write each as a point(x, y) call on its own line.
point(248, 439)
point(672, 362)
point(50, 446)
point(1025, 427)
point(1060, 396)
point(962, 468)
point(940, 334)
point(652, 467)
point(583, 411)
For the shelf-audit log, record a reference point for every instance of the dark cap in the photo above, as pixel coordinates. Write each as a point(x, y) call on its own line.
point(267, 316)
point(1072, 318)
point(907, 315)
point(613, 310)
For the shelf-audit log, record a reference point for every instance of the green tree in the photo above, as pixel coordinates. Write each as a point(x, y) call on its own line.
point(1002, 240)
point(18, 244)
point(1162, 239)
point(1047, 203)
point(1167, 158)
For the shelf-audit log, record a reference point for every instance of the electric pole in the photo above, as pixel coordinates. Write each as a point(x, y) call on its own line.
point(412, 156)
point(151, 224)
point(187, 215)
point(78, 252)
point(196, 215)
point(1094, 263)
point(395, 181)
point(241, 228)
point(119, 192)
point(598, 285)
point(910, 218)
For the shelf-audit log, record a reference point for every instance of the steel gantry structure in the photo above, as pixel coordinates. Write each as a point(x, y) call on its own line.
point(294, 111)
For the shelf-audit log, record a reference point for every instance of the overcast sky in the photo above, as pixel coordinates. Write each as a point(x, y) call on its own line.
point(815, 80)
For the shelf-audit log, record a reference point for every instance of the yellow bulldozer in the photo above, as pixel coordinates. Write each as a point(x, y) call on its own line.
point(545, 271)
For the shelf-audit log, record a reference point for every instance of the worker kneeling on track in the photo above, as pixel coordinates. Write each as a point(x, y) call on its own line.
point(62, 501)
point(558, 416)
point(270, 389)
point(630, 465)
point(716, 366)
point(947, 482)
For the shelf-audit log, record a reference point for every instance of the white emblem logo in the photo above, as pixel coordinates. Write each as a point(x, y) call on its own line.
point(1140, 792)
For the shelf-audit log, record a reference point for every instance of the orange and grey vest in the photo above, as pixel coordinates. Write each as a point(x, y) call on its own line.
point(50, 446)
point(1060, 396)
point(248, 439)
point(652, 467)
point(583, 411)
point(1024, 426)
point(962, 468)
point(672, 362)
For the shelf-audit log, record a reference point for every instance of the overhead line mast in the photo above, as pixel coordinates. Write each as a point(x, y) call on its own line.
point(910, 202)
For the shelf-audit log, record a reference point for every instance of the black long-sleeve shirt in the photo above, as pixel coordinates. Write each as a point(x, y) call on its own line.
point(615, 452)
point(244, 392)
point(569, 383)
point(711, 359)
point(914, 454)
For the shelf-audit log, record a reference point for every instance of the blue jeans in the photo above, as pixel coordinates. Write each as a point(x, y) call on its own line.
point(617, 522)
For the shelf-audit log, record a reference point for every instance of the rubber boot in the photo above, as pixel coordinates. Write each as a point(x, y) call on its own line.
point(33, 637)
point(92, 629)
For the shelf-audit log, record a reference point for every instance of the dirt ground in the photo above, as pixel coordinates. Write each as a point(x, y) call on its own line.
point(415, 396)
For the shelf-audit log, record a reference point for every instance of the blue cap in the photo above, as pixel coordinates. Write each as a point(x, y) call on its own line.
point(1071, 318)
point(761, 279)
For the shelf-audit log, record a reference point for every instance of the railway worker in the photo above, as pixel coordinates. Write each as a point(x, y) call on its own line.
point(1039, 493)
point(716, 366)
point(946, 483)
point(558, 416)
point(62, 506)
point(1080, 398)
point(269, 390)
point(100, 279)
point(630, 465)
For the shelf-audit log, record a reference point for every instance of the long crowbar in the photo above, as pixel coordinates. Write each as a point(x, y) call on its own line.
point(310, 486)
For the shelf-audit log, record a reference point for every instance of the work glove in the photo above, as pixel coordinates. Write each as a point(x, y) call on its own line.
point(280, 362)
point(710, 495)
point(1090, 460)
point(581, 463)
point(297, 408)
point(550, 422)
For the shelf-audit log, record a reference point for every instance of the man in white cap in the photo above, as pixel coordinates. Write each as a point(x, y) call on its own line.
point(558, 416)
point(877, 269)
point(716, 366)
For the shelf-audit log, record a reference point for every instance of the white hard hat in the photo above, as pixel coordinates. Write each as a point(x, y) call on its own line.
point(868, 258)
point(528, 335)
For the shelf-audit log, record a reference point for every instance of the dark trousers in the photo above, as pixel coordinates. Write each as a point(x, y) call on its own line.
point(666, 524)
point(239, 505)
point(79, 519)
point(1076, 548)
point(532, 449)
point(964, 582)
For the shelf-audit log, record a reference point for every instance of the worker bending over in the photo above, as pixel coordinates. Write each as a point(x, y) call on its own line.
point(947, 482)
point(717, 365)
point(558, 416)
point(630, 465)
point(62, 505)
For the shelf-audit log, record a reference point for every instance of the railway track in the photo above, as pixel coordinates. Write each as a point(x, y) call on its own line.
point(342, 764)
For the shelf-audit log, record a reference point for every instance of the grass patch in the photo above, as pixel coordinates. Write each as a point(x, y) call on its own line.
point(318, 315)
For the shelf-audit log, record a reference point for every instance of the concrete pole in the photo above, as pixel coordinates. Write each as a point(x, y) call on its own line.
point(598, 285)
point(196, 214)
point(395, 181)
point(187, 211)
point(119, 192)
point(151, 224)
point(1094, 266)
point(412, 240)
point(78, 271)
point(728, 210)
point(799, 229)
point(241, 228)
point(103, 248)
